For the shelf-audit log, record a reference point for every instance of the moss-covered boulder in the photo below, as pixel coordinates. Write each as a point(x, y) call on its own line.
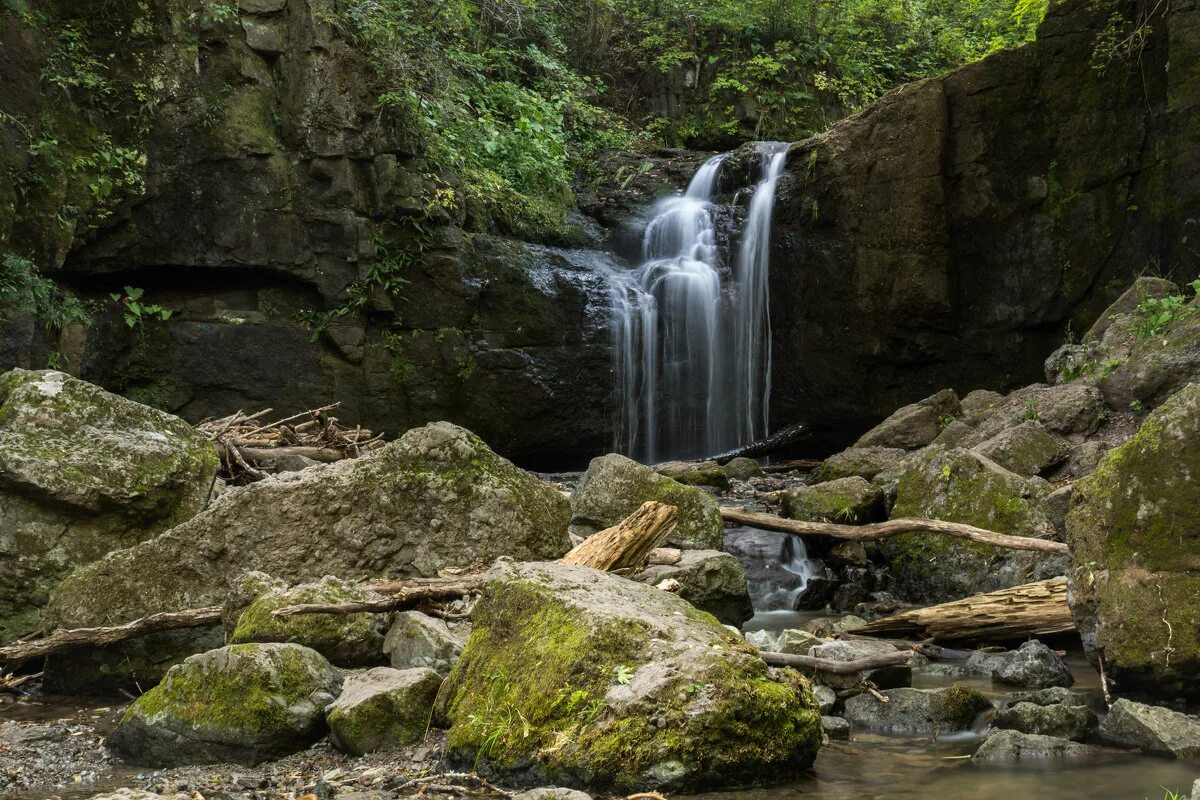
point(695, 473)
point(954, 708)
point(351, 640)
point(84, 472)
point(1027, 449)
point(978, 405)
point(614, 487)
point(243, 703)
point(579, 677)
point(1072, 411)
point(865, 462)
point(437, 497)
point(848, 501)
point(915, 425)
point(382, 708)
point(711, 580)
point(742, 469)
point(1134, 532)
point(961, 486)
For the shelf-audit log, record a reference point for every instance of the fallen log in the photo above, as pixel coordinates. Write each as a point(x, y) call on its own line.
point(1031, 609)
point(838, 667)
point(324, 454)
point(764, 447)
point(60, 640)
point(882, 530)
point(400, 594)
point(796, 465)
point(628, 544)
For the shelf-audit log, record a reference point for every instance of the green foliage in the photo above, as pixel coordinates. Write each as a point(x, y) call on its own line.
point(135, 311)
point(1030, 412)
point(1154, 315)
point(23, 288)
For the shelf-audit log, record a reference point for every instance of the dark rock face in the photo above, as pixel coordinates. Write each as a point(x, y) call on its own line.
point(948, 234)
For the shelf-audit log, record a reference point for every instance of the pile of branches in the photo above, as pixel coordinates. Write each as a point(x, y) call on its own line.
point(251, 450)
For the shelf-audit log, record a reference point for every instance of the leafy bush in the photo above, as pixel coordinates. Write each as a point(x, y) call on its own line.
point(24, 289)
point(1154, 315)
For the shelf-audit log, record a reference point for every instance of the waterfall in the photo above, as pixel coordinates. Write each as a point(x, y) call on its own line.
point(692, 338)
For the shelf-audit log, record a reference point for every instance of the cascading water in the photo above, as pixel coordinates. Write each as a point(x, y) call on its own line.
point(693, 351)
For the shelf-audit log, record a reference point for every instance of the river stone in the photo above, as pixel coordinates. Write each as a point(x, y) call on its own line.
point(614, 487)
point(1152, 728)
point(835, 727)
point(350, 640)
point(826, 698)
point(954, 708)
point(245, 703)
point(711, 580)
point(1008, 747)
point(1027, 449)
point(890, 677)
point(382, 708)
point(1031, 666)
point(553, 793)
point(695, 473)
point(82, 473)
point(847, 501)
point(865, 462)
point(435, 498)
point(419, 640)
point(742, 469)
point(619, 686)
point(958, 485)
point(1075, 722)
point(797, 642)
point(915, 425)
point(1134, 533)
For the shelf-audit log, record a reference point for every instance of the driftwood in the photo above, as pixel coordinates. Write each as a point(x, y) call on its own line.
point(764, 447)
point(628, 544)
point(61, 640)
point(881, 530)
point(797, 465)
point(1032, 609)
point(399, 594)
point(838, 667)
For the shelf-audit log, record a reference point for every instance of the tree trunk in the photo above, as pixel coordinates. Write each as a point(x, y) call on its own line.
point(629, 544)
point(882, 530)
point(764, 447)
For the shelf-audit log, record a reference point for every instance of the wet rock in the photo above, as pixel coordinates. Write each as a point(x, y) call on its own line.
point(658, 694)
point(711, 580)
point(847, 501)
point(826, 698)
point(825, 627)
point(818, 591)
point(82, 473)
point(865, 462)
point(918, 710)
point(1152, 728)
point(1074, 721)
point(889, 677)
point(419, 640)
point(243, 703)
point(1056, 505)
point(553, 794)
point(852, 554)
point(742, 469)
point(1134, 533)
point(614, 487)
point(695, 473)
point(382, 708)
point(962, 486)
point(1008, 747)
point(835, 727)
point(1028, 449)
point(351, 640)
point(437, 497)
point(1033, 666)
point(915, 425)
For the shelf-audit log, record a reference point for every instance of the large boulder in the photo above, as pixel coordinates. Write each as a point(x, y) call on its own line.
point(351, 640)
point(243, 703)
point(695, 473)
point(954, 708)
point(1027, 449)
point(1071, 411)
point(614, 487)
point(710, 580)
point(865, 462)
point(1154, 729)
point(1004, 748)
point(848, 501)
point(915, 425)
point(437, 497)
point(961, 486)
point(1033, 665)
point(419, 640)
point(382, 708)
point(1066, 717)
point(1134, 532)
point(82, 473)
point(581, 677)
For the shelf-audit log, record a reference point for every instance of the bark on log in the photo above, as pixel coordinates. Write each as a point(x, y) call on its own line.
point(838, 667)
point(323, 454)
point(400, 594)
point(882, 530)
point(628, 544)
point(1032, 609)
point(60, 640)
point(764, 447)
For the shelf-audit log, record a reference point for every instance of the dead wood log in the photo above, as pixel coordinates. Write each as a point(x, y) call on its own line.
point(1032, 609)
point(61, 640)
point(882, 530)
point(796, 465)
point(628, 544)
point(764, 447)
point(325, 454)
point(399, 594)
point(838, 667)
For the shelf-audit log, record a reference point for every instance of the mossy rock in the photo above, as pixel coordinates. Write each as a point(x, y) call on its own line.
point(710, 580)
point(614, 487)
point(865, 462)
point(1072, 410)
point(351, 640)
point(1134, 533)
point(847, 501)
point(742, 469)
point(915, 425)
point(961, 486)
point(954, 708)
point(382, 708)
point(243, 703)
point(1028, 449)
point(695, 473)
point(582, 678)
point(419, 640)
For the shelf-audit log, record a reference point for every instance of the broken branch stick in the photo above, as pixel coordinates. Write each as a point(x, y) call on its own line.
point(60, 640)
point(628, 544)
point(402, 594)
point(882, 530)
point(838, 667)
